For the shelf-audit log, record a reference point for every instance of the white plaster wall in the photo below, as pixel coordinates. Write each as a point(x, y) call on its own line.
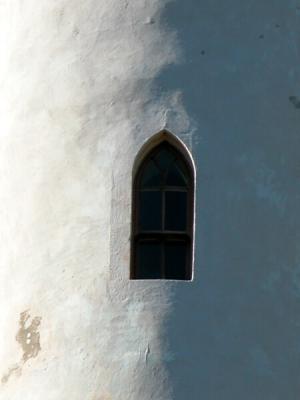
point(77, 102)
point(83, 85)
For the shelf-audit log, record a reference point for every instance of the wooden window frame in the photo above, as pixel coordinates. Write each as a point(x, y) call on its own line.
point(163, 236)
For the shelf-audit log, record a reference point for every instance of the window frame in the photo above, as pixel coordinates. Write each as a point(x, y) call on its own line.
point(163, 236)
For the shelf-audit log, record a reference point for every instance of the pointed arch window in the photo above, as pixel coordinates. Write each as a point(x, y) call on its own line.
point(162, 227)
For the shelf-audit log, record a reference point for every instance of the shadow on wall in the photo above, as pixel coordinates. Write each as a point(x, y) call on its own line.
point(234, 332)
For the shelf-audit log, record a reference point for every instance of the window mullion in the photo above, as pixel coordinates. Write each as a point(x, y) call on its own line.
point(162, 241)
point(163, 269)
point(163, 204)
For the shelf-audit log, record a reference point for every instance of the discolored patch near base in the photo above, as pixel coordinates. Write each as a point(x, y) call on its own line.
point(28, 337)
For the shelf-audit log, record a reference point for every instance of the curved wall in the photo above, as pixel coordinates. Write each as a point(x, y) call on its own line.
point(83, 87)
point(78, 102)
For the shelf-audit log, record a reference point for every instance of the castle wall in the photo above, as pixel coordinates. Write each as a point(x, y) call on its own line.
point(84, 84)
point(78, 101)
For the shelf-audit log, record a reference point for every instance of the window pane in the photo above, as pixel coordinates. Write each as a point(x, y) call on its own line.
point(148, 265)
point(175, 211)
point(150, 217)
point(176, 175)
point(175, 260)
point(151, 175)
point(164, 158)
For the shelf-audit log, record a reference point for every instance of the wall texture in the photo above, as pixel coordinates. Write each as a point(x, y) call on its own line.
point(83, 85)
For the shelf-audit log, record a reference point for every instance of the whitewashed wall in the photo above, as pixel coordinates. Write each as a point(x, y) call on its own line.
point(77, 103)
point(83, 85)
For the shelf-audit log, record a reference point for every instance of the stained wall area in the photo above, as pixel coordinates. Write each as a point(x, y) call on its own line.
point(82, 89)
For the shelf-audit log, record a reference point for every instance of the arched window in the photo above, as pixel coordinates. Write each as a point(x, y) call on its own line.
point(162, 226)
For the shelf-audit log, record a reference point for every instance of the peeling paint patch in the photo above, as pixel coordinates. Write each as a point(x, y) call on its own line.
point(28, 337)
point(295, 101)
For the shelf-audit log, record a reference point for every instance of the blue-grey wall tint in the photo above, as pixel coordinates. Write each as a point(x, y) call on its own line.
point(240, 80)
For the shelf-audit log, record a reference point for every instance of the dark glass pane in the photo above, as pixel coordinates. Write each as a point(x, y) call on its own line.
point(175, 260)
point(151, 176)
point(148, 260)
point(150, 210)
point(177, 175)
point(175, 211)
point(164, 158)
